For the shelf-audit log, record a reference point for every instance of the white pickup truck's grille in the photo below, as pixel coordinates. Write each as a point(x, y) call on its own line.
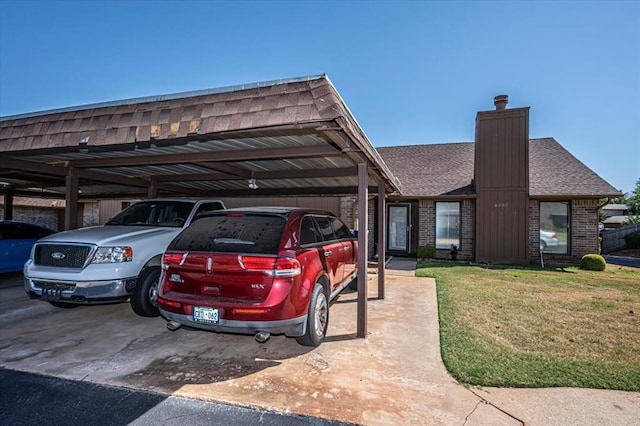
point(62, 255)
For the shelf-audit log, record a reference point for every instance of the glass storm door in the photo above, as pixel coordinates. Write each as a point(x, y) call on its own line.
point(398, 235)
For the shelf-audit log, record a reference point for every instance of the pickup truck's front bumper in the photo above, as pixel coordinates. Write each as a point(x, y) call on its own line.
point(79, 292)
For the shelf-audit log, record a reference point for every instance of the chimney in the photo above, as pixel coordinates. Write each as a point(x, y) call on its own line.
point(501, 177)
point(501, 101)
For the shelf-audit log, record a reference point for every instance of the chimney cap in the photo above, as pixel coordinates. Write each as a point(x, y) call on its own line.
point(501, 101)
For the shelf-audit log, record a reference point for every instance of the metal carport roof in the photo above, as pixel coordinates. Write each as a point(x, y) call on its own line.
point(294, 137)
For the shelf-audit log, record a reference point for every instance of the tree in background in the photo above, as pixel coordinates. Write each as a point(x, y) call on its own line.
point(633, 201)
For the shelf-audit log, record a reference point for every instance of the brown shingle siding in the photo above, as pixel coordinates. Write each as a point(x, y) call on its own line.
point(231, 107)
point(143, 133)
point(54, 140)
point(225, 111)
point(183, 129)
point(270, 102)
point(276, 116)
point(155, 117)
point(261, 119)
point(235, 121)
point(99, 137)
point(245, 105)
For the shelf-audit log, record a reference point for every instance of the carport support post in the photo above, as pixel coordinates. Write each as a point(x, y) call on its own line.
point(152, 192)
point(363, 251)
point(381, 220)
point(8, 205)
point(71, 199)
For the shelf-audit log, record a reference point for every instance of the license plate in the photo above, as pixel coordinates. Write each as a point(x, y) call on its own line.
point(51, 293)
point(209, 315)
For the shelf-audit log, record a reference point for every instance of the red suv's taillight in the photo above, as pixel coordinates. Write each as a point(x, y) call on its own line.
point(173, 258)
point(273, 266)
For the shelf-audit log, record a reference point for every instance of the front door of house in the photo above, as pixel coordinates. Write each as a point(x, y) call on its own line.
point(399, 228)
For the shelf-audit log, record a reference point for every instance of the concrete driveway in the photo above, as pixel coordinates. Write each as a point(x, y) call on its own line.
point(395, 376)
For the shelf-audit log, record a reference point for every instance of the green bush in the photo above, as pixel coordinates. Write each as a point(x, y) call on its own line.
point(633, 240)
point(426, 252)
point(593, 262)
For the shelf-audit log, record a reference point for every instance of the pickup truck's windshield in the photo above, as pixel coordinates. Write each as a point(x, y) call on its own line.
point(154, 213)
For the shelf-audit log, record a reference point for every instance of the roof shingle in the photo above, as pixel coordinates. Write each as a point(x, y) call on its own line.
point(447, 170)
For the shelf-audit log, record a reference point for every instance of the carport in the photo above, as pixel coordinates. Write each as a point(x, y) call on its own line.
point(287, 137)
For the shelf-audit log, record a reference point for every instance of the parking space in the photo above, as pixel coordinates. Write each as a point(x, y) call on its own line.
point(395, 376)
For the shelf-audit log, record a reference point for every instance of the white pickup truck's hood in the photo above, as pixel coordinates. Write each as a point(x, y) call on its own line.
point(114, 235)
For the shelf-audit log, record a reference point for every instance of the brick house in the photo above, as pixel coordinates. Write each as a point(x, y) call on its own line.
point(504, 198)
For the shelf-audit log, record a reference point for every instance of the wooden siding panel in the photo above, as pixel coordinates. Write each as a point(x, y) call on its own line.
point(502, 178)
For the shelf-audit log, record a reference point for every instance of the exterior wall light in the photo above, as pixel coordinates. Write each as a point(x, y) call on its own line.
point(251, 183)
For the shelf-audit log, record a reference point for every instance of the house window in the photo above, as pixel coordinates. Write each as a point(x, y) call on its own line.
point(447, 225)
point(554, 227)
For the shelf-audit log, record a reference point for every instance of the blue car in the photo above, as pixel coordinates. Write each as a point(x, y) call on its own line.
point(16, 241)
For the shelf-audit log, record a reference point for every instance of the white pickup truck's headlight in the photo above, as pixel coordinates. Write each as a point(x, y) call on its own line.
point(113, 255)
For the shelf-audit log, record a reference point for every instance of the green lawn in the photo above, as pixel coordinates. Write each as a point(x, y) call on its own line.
point(527, 327)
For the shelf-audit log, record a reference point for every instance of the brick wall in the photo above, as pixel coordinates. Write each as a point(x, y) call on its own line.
point(467, 219)
point(37, 215)
point(534, 231)
point(584, 227)
point(91, 214)
point(349, 211)
point(426, 223)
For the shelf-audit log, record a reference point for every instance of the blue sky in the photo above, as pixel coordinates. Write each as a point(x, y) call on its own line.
point(411, 72)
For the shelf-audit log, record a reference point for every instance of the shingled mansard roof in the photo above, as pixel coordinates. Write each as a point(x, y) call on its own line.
point(441, 170)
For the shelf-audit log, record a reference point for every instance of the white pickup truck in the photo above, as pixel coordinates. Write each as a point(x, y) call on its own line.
point(112, 263)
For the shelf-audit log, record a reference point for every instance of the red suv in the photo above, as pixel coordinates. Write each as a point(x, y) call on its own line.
point(258, 271)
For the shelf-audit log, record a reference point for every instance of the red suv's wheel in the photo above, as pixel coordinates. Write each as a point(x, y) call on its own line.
point(317, 318)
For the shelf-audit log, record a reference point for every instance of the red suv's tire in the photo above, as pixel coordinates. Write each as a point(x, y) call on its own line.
point(317, 318)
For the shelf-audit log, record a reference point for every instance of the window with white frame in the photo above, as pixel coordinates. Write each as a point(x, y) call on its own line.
point(447, 225)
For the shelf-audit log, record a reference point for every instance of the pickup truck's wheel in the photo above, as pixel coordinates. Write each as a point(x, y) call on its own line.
point(63, 305)
point(317, 318)
point(144, 300)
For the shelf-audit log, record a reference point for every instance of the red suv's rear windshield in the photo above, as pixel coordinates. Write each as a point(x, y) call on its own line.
point(232, 234)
